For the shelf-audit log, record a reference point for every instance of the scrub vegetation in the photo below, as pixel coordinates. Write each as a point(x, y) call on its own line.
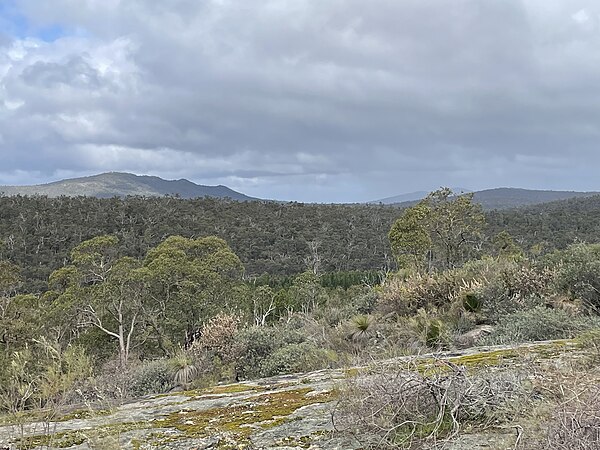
point(206, 292)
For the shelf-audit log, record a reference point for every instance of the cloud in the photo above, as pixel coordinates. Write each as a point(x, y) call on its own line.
point(305, 99)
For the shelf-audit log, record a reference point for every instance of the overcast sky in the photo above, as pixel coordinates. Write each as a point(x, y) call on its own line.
point(312, 100)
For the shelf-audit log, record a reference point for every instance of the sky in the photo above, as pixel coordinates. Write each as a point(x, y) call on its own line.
point(308, 100)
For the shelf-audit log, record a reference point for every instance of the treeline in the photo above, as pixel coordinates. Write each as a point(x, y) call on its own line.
point(279, 239)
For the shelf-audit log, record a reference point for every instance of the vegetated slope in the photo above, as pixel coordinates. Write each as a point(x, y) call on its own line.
point(269, 237)
point(275, 238)
point(116, 184)
point(506, 198)
point(553, 225)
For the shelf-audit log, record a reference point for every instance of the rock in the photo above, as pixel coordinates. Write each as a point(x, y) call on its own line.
point(471, 338)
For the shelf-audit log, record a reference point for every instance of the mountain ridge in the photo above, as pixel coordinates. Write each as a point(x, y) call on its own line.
point(122, 184)
point(505, 197)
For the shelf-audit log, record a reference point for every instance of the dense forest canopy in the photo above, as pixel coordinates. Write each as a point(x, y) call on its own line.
point(275, 238)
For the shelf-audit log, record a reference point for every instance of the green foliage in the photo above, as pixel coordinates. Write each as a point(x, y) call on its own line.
point(136, 294)
point(255, 344)
point(505, 246)
point(152, 377)
point(431, 330)
point(362, 326)
point(578, 273)
point(40, 376)
point(189, 280)
point(410, 236)
point(471, 301)
point(306, 292)
point(442, 231)
point(294, 358)
point(184, 369)
point(539, 324)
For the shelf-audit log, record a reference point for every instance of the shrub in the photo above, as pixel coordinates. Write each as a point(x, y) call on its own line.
point(217, 337)
point(406, 295)
point(472, 301)
point(362, 327)
point(430, 330)
point(184, 369)
point(578, 273)
point(540, 324)
point(295, 358)
point(153, 377)
point(253, 345)
point(574, 423)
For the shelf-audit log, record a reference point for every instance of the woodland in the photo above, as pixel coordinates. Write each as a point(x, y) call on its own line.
point(105, 300)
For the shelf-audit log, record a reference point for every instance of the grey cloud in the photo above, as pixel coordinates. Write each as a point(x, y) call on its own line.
point(271, 97)
point(75, 72)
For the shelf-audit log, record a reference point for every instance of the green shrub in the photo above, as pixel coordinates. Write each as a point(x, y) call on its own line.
point(430, 330)
point(578, 273)
point(153, 377)
point(540, 324)
point(184, 369)
point(253, 346)
point(472, 301)
point(294, 358)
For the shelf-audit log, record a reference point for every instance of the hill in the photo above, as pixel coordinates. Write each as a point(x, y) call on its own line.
point(506, 198)
point(117, 184)
point(500, 198)
point(411, 197)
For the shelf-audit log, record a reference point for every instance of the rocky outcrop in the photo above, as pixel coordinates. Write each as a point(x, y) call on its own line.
point(286, 412)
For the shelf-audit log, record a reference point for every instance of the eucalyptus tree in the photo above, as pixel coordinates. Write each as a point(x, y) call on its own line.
point(442, 231)
point(102, 291)
point(189, 281)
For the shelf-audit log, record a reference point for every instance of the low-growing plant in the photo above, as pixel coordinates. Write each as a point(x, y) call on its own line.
point(431, 330)
point(253, 345)
point(540, 324)
point(184, 369)
point(152, 377)
point(295, 358)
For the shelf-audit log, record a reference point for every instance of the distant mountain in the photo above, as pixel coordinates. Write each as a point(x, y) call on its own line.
point(117, 184)
point(506, 198)
point(412, 197)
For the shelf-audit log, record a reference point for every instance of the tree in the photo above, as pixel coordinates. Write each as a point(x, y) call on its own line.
point(306, 292)
point(189, 281)
point(103, 292)
point(263, 304)
point(410, 237)
point(442, 231)
point(117, 306)
point(456, 226)
point(506, 247)
point(19, 314)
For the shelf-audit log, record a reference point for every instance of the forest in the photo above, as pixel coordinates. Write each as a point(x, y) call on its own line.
point(273, 239)
point(104, 300)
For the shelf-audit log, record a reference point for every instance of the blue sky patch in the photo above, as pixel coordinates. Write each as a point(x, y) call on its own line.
point(15, 24)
